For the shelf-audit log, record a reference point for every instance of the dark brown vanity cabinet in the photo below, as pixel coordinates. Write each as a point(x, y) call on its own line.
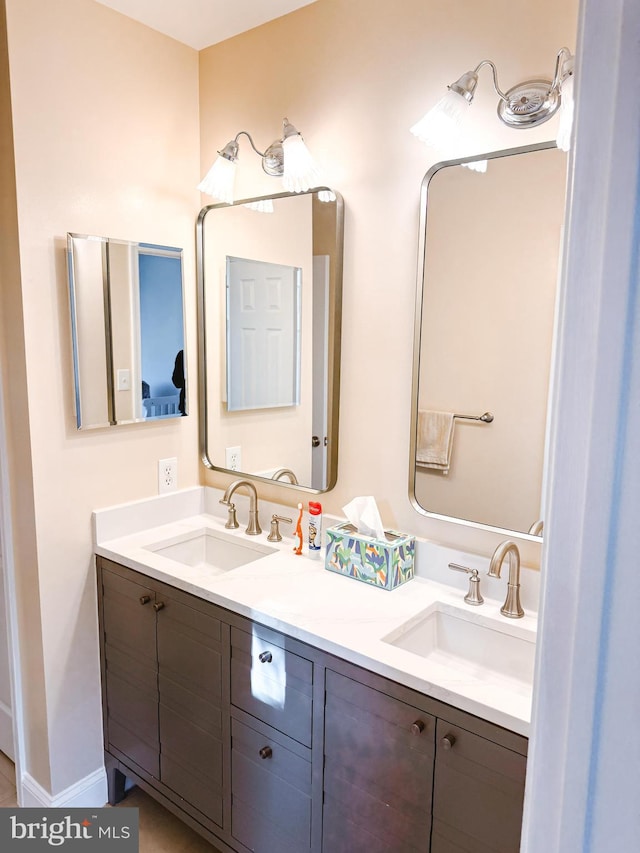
point(162, 654)
point(263, 743)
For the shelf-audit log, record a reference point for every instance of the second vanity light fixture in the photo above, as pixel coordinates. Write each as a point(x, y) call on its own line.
point(526, 105)
point(288, 158)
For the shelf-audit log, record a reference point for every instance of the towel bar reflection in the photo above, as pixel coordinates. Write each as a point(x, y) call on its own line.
point(487, 418)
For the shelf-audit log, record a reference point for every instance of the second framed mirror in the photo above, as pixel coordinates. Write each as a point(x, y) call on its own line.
point(270, 293)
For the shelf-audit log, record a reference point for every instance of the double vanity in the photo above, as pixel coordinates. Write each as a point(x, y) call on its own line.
point(278, 707)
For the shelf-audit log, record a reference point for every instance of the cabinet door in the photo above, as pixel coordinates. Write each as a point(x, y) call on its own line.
point(131, 677)
point(478, 794)
point(190, 684)
point(378, 771)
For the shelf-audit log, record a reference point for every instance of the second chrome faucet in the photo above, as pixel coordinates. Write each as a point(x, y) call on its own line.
point(508, 550)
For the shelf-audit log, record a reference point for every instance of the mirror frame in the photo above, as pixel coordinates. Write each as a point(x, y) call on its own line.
point(335, 320)
point(417, 336)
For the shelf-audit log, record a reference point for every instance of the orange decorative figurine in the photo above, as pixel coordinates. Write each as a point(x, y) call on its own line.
point(298, 532)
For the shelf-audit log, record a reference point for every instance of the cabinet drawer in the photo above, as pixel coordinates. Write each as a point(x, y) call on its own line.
point(378, 769)
point(271, 683)
point(478, 793)
point(271, 792)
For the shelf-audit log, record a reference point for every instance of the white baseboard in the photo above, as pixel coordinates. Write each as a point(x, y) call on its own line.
point(88, 792)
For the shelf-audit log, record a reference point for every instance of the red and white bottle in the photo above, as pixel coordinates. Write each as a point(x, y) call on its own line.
point(315, 529)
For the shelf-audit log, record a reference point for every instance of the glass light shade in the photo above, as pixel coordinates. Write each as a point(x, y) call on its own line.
point(440, 126)
point(264, 205)
point(476, 165)
point(565, 125)
point(219, 180)
point(300, 171)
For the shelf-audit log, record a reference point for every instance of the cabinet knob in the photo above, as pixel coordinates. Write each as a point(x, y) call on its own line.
point(417, 728)
point(266, 752)
point(447, 741)
point(158, 605)
point(145, 599)
point(265, 657)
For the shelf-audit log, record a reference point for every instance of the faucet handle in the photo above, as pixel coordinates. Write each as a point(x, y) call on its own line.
point(274, 533)
point(232, 518)
point(473, 596)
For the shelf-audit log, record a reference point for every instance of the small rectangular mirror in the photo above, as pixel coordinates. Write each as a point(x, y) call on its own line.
point(127, 324)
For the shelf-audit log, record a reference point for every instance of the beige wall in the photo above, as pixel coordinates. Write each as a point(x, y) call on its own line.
point(105, 120)
point(353, 76)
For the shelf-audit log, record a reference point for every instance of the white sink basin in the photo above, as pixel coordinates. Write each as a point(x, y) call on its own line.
point(211, 550)
point(470, 644)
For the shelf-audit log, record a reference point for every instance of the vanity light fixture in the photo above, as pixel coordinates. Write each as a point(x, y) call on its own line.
point(526, 105)
point(288, 158)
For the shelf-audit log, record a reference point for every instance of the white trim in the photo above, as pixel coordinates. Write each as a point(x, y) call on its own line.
point(584, 761)
point(88, 792)
point(11, 605)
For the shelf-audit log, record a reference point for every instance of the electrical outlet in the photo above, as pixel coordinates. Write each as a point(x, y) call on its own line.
point(233, 458)
point(167, 475)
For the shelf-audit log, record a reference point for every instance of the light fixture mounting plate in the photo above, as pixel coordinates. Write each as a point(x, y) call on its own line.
point(273, 159)
point(529, 104)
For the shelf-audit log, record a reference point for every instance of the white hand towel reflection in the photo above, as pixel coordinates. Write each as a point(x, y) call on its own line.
point(268, 673)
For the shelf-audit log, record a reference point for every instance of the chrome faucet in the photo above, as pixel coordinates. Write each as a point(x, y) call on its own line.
point(253, 528)
point(285, 472)
point(509, 549)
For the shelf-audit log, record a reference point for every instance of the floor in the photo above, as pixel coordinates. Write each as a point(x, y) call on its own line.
point(160, 831)
point(7, 783)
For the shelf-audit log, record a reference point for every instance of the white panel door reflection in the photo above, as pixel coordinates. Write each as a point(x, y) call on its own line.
point(263, 334)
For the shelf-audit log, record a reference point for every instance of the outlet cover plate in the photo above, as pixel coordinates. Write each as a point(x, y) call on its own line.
point(233, 458)
point(167, 475)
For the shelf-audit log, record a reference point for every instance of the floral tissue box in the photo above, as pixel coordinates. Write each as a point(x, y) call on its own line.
point(385, 564)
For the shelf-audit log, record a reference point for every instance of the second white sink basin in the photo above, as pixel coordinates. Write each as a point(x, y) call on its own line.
point(472, 645)
point(211, 550)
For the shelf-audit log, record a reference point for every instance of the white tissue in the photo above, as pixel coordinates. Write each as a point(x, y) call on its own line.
point(363, 513)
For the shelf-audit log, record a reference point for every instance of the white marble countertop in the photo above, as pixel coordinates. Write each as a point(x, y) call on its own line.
point(296, 595)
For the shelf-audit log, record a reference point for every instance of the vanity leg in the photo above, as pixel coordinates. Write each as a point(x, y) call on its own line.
point(115, 785)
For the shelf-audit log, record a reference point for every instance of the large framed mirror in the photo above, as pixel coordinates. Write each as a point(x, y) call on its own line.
point(127, 324)
point(270, 297)
point(490, 242)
